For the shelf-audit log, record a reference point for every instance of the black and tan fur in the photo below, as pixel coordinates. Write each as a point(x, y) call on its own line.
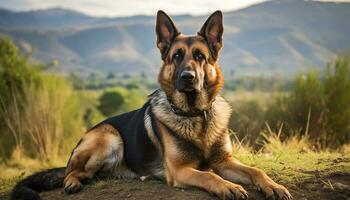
point(180, 134)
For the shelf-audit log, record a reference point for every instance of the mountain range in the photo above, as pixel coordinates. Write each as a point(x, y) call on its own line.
point(274, 37)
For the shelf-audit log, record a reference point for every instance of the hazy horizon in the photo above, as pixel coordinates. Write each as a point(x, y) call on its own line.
point(114, 8)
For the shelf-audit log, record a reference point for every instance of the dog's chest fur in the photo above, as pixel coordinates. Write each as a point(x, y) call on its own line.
point(198, 135)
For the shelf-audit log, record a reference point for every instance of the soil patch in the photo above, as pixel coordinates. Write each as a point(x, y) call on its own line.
point(334, 186)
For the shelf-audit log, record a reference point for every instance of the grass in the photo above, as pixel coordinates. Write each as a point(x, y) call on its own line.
point(16, 169)
point(286, 167)
point(292, 162)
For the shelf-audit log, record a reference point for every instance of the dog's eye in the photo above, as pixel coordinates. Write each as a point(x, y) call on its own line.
point(198, 56)
point(178, 56)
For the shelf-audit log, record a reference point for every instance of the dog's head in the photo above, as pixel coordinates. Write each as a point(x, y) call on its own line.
point(190, 75)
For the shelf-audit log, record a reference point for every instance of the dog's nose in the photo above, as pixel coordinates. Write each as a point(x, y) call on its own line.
point(188, 75)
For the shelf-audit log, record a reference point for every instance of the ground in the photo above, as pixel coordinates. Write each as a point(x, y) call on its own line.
point(308, 175)
point(332, 186)
point(133, 190)
point(152, 189)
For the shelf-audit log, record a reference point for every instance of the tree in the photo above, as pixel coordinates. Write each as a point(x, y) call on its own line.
point(110, 102)
point(110, 75)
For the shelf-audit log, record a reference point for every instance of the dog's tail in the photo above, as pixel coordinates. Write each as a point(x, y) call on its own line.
point(29, 188)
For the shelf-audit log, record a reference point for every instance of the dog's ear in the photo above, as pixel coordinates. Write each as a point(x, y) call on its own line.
point(166, 32)
point(212, 31)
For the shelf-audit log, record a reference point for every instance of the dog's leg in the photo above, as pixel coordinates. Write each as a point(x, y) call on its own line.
point(101, 149)
point(233, 170)
point(189, 176)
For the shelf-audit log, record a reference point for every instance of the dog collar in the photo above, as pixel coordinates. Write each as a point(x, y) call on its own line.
point(178, 111)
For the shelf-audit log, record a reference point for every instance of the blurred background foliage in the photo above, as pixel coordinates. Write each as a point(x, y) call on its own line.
point(62, 71)
point(43, 114)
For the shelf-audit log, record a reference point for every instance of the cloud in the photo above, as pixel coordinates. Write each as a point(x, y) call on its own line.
point(132, 7)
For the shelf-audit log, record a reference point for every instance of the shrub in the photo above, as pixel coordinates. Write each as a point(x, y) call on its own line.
point(120, 100)
point(133, 99)
point(15, 72)
point(318, 106)
point(247, 119)
point(110, 102)
point(337, 102)
point(40, 111)
point(89, 104)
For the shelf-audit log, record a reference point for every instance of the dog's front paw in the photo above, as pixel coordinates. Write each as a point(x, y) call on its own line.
point(274, 191)
point(72, 185)
point(229, 190)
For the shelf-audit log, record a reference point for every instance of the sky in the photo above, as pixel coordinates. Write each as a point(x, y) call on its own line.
point(133, 7)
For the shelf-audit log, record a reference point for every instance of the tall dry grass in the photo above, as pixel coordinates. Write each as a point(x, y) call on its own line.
point(45, 120)
point(318, 106)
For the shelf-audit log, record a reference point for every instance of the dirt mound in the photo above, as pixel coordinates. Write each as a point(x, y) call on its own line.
point(334, 186)
point(128, 189)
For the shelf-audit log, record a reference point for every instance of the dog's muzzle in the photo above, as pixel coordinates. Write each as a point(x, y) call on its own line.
point(186, 81)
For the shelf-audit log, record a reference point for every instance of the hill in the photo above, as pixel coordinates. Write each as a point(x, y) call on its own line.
point(273, 37)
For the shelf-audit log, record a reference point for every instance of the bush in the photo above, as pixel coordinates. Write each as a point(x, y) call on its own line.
point(40, 111)
point(337, 102)
point(89, 104)
point(15, 73)
point(133, 99)
point(318, 106)
point(247, 120)
point(110, 102)
point(120, 100)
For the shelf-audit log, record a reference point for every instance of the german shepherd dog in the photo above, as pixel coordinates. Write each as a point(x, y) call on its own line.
point(180, 134)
